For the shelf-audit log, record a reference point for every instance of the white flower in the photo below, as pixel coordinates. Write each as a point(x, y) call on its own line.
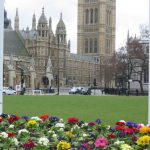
point(4, 135)
point(43, 141)
point(51, 132)
point(108, 127)
point(122, 121)
point(54, 135)
point(36, 119)
point(118, 142)
point(60, 125)
point(61, 120)
point(84, 135)
point(84, 125)
point(61, 129)
point(11, 126)
point(23, 130)
point(76, 127)
point(15, 141)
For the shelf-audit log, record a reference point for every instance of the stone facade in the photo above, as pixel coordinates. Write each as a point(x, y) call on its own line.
point(37, 55)
point(96, 27)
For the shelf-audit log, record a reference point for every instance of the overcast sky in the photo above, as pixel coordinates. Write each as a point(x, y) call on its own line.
point(130, 14)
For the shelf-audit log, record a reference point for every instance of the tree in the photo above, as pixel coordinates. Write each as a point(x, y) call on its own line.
point(138, 60)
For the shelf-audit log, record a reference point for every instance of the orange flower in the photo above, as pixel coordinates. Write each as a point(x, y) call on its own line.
point(144, 130)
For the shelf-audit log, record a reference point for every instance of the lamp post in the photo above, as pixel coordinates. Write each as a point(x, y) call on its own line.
point(58, 69)
point(89, 73)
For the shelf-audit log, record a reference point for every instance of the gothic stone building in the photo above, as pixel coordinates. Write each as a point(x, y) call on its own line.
point(38, 53)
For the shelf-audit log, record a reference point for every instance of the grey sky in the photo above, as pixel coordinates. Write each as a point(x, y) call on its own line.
point(130, 14)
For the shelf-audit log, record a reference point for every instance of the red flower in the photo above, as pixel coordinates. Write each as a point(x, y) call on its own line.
point(120, 128)
point(11, 120)
point(128, 131)
point(135, 130)
point(111, 136)
point(11, 134)
point(1, 119)
point(29, 144)
point(91, 124)
point(72, 120)
point(44, 117)
point(120, 123)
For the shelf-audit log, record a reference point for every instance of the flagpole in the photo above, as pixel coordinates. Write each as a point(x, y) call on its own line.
point(1, 52)
point(149, 73)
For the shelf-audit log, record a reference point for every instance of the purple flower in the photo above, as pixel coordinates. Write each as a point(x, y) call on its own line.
point(25, 118)
point(85, 146)
point(121, 134)
point(131, 124)
point(98, 121)
point(54, 119)
point(3, 115)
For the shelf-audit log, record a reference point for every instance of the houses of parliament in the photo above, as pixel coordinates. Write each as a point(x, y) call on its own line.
point(41, 58)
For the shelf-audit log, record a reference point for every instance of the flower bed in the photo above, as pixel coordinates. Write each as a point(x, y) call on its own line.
point(51, 133)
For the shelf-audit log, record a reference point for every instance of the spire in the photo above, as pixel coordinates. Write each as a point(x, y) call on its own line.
point(33, 22)
point(61, 28)
point(69, 44)
point(61, 16)
point(128, 37)
point(50, 27)
point(42, 19)
point(17, 12)
point(50, 23)
point(43, 10)
point(16, 25)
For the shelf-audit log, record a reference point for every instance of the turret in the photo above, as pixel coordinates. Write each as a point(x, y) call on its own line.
point(42, 25)
point(33, 22)
point(61, 31)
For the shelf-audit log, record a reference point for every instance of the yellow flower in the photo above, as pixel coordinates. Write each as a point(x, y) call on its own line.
point(144, 140)
point(69, 134)
point(125, 147)
point(31, 123)
point(144, 130)
point(62, 145)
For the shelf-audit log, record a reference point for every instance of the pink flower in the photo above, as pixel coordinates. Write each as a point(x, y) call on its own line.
point(101, 143)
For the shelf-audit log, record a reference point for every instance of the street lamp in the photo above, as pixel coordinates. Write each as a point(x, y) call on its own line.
point(58, 69)
point(89, 73)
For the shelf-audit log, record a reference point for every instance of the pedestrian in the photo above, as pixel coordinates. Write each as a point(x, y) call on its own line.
point(137, 92)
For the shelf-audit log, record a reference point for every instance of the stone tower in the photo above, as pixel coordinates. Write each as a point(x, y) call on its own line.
point(62, 45)
point(96, 27)
point(16, 24)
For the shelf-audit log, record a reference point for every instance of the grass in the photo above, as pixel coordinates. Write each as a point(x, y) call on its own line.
point(88, 108)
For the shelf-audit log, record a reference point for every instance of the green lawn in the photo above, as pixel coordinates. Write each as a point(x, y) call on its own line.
point(108, 108)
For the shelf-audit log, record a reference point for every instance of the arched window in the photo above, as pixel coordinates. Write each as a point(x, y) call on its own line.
point(43, 33)
point(96, 15)
point(39, 33)
point(109, 17)
point(86, 45)
point(91, 45)
point(95, 45)
point(87, 16)
point(91, 16)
